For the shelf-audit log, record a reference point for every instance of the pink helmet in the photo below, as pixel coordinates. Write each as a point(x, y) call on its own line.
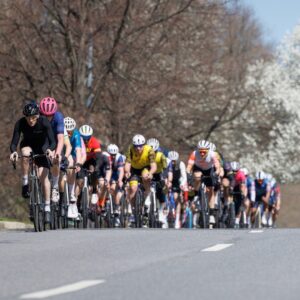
point(48, 106)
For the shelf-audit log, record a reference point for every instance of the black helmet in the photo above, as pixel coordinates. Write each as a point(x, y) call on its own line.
point(31, 109)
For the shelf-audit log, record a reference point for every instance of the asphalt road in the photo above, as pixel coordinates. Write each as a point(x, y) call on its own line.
point(150, 264)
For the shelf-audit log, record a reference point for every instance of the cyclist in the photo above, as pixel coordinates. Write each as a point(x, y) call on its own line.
point(275, 202)
point(93, 150)
point(204, 162)
point(140, 163)
point(37, 137)
point(158, 177)
point(262, 195)
point(48, 108)
point(77, 160)
point(250, 192)
point(177, 182)
point(117, 164)
point(238, 186)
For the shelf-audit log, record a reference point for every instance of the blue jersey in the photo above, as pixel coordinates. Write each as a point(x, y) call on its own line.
point(75, 142)
point(119, 162)
point(261, 189)
point(57, 124)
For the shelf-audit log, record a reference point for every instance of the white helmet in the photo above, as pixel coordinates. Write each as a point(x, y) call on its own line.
point(260, 175)
point(203, 145)
point(112, 149)
point(138, 140)
point(173, 155)
point(70, 124)
point(245, 171)
point(154, 143)
point(86, 131)
point(235, 166)
point(213, 147)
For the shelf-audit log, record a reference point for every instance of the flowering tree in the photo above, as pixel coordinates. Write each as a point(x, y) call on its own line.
point(276, 85)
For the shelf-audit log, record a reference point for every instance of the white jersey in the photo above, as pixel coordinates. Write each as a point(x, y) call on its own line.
point(206, 163)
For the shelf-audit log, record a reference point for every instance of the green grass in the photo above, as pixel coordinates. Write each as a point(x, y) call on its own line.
point(9, 219)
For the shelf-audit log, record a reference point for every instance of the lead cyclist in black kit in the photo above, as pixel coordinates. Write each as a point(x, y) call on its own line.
point(37, 137)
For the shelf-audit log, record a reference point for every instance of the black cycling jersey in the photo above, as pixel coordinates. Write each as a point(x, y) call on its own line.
point(39, 137)
point(101, 164)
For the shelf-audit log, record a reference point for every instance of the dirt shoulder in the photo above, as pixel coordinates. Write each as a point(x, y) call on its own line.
point(290, 206)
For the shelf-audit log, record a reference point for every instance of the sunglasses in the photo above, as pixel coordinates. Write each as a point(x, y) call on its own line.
point(203, 151)
point(138, 146)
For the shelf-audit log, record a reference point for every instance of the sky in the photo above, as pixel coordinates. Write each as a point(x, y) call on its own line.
point(276, 16)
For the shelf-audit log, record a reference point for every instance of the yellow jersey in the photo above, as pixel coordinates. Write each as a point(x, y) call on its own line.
point(140, 161)
point(161, 162)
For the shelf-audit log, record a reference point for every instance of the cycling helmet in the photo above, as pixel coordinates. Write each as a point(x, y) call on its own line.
point(173, 155)
point(213, 147)
point(235, 166)
point(30, 109)
point(245, 171)
point(260, 175)
point(138, 140)
point(48, 106)
point(86, 131)
point(203, 145)
point(70, 123)
point(154, 143)
point(112, 149)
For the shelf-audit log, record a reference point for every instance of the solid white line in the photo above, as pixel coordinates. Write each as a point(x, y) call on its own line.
point(256, 231)
point(217, 247)
point(62, 290)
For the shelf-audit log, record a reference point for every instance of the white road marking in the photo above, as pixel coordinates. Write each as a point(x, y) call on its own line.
point(62, 290)
point(256, 231)
point(217, 247)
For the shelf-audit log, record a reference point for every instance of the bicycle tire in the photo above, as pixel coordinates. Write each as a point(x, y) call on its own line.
point(84, 207)
point(40, 206)
point(231, 215)
point(64, 208)
point(34, 208)
point(123, 211)
point(257, 220)
point(138, 214)
point(152, 221)
point(204, 209)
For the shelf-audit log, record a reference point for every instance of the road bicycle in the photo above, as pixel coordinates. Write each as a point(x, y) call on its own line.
point(36, 199)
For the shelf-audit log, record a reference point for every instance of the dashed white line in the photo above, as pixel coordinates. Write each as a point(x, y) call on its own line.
point(62, 290)
point(256, 231)
point(217, 247)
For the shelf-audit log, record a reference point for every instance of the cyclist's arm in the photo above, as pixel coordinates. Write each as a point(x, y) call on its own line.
point(191, 163)
point(16, 138)
point(252, 192)
point(60, 143)
point(68, 146)
point(50, 134)
point(108, 170)
point(183, 174)
point(78, 155)
point(217, 165)
point(120, 165)
point(153, 165)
